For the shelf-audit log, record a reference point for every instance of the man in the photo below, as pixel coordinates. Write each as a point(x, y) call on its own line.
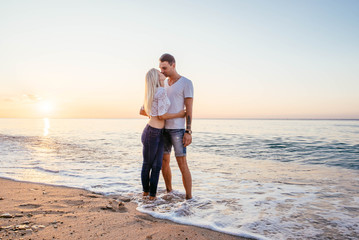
point(178, 130)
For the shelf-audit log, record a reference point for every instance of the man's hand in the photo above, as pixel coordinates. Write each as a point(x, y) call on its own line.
point(187, 139)
point(143, 112)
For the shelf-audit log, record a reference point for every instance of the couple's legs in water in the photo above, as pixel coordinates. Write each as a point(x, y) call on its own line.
point(186, 174)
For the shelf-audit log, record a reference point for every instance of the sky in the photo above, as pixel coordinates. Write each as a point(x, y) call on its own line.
point(246, 59)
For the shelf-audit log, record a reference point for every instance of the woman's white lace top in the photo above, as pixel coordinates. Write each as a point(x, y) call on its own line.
point(160, 103)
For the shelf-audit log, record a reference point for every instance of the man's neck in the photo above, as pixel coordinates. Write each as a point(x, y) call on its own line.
point(174, 78)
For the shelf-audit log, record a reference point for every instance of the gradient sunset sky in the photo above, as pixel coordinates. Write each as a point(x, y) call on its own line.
point(247, 59)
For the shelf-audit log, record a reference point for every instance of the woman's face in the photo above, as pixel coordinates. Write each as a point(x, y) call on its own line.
point(161, 78)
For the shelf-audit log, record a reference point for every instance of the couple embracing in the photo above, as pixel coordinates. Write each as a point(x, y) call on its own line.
point(168, 103)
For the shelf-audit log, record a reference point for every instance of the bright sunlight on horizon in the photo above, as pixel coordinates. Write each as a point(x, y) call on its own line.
point(246, 59)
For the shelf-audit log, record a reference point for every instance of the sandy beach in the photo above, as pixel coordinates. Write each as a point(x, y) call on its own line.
point(38, 211)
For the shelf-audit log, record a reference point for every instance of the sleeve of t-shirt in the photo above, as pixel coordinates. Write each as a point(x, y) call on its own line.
point(188, 89)
point(163, 102)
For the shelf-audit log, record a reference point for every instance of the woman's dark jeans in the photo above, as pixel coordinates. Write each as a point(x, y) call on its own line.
point(152, 140)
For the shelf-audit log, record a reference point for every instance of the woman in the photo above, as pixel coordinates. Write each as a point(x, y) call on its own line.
point(155, 106)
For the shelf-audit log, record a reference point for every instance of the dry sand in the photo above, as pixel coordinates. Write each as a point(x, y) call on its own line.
point(37, 211)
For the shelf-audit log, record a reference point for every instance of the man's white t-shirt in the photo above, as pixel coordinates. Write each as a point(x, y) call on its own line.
point(180, 90)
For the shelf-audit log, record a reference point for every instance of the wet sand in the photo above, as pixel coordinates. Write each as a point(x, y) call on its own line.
point(38, 211)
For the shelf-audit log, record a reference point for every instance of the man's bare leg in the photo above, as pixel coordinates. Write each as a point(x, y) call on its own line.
point(166, 172)
point(186, 176)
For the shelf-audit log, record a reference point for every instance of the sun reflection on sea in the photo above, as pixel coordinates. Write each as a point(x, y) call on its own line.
point(46, 126)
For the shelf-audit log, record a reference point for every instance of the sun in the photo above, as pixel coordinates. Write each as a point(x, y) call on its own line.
point(46, 107)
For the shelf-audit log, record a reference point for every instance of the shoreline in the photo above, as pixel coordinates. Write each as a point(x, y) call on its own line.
point(42, 211)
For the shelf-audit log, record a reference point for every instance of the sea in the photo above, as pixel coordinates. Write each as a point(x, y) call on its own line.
point(262, 179)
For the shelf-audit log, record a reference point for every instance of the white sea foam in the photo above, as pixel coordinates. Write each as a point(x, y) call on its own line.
point(173, 206)
point(269, 206)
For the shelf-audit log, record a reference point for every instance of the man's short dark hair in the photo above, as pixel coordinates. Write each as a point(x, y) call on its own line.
point(168, 58)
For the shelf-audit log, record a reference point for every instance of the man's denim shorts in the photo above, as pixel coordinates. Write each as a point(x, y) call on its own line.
point(174, 137)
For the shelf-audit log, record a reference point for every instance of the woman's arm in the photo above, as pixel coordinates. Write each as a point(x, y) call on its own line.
point(166, 116)
point(164, 104)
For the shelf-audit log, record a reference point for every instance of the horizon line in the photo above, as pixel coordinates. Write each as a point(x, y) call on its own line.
point(204, 118)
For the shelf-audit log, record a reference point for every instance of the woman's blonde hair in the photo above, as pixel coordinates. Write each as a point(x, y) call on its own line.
point(151, 84)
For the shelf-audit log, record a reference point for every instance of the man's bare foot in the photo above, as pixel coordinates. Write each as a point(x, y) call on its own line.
point(152, 198)
point(145, 194)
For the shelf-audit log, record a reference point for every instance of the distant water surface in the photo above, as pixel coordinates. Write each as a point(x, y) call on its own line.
point(268, 179)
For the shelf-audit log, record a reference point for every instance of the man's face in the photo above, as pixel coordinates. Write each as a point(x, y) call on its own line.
point(166, 68)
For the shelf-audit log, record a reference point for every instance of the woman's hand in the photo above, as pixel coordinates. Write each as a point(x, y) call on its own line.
point(182, 114)
point(166, 116)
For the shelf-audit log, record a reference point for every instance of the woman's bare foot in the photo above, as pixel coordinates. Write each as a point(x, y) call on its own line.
point(145, 194)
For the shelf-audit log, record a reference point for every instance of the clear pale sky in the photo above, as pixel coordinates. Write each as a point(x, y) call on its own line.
point(247, 59)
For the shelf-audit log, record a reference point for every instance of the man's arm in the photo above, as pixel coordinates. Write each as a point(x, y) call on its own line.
point(187, 138)
point(143, 112)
